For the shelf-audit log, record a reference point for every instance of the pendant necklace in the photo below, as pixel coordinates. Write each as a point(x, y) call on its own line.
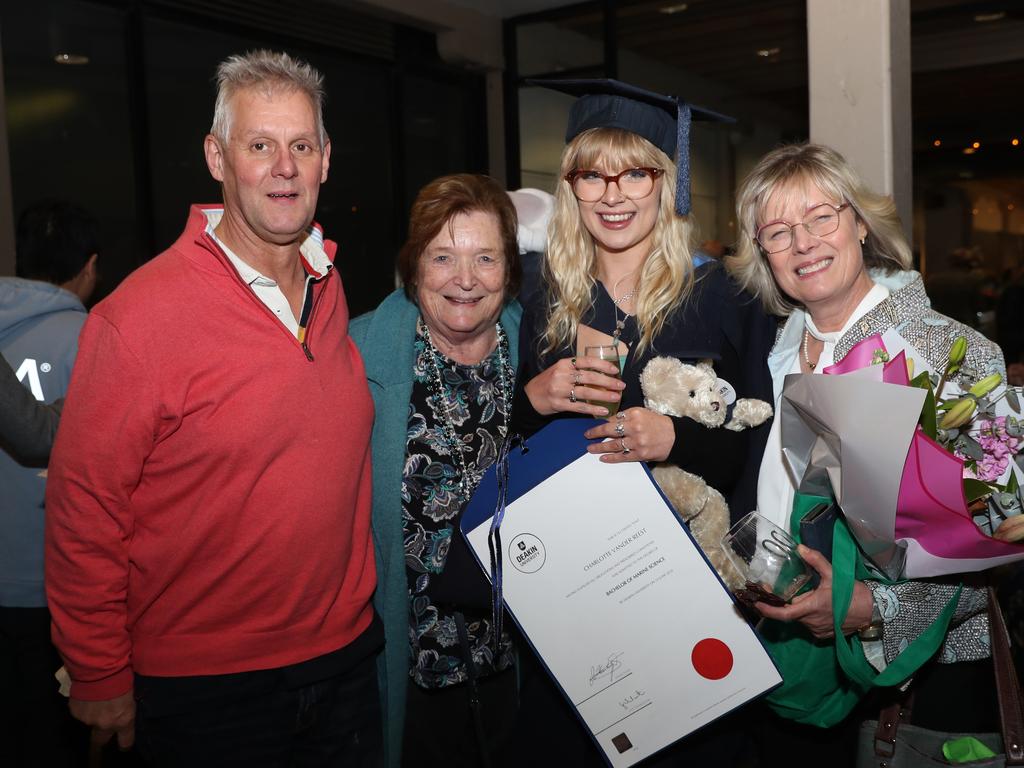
point(435, 384)
point(620, 324)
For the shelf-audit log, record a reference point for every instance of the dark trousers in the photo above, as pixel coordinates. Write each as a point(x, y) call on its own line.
point(35, 725)
point(440, 729)
point(332, 722)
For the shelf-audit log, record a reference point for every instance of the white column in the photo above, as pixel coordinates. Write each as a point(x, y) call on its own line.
point(859, 85)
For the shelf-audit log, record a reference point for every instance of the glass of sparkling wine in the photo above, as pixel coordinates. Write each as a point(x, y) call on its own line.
point(609, 352)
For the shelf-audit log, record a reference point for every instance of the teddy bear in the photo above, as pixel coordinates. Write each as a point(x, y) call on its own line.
point(675, 388)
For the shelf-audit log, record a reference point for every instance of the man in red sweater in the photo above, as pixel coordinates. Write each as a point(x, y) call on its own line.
point(209, 563)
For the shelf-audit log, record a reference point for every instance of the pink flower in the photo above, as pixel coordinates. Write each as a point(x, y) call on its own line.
point(998, 448)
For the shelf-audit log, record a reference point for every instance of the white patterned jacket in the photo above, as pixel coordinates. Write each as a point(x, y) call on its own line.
point(910, 607)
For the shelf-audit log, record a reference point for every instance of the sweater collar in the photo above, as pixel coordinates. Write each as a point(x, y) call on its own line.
point(314, 257)
point(388, 351)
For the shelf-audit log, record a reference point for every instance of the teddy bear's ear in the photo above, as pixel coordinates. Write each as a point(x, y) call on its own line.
point(706, 365)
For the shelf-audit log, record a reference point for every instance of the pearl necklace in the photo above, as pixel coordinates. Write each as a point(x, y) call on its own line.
point(807, 358)
point(456, 446)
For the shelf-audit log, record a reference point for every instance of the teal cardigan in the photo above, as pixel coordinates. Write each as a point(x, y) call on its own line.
point(385, 338)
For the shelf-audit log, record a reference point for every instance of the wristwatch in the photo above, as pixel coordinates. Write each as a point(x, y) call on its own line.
point(873, 629)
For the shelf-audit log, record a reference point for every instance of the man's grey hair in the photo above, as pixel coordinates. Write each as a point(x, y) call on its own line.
point(269, 72)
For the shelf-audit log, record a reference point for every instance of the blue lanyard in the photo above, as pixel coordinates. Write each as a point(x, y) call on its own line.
point(494, 539)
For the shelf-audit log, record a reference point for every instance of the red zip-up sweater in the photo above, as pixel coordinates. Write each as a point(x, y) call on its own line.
point(208, 499)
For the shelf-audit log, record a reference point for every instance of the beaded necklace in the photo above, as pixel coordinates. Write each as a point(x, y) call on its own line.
point(435, 384)
point(807, 358)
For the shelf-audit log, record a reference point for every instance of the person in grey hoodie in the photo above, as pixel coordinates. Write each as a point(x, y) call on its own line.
point(41, 314)
point(27, 427)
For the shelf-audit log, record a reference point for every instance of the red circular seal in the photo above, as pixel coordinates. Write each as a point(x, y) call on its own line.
point(711, 658)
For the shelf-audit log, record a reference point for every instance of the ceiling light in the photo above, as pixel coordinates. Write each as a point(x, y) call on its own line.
point(937, 143)
point(73, 59)
point(765, 53)
point(1014, 142)
point(976, 145)
point(675, 8)
point(981, 18)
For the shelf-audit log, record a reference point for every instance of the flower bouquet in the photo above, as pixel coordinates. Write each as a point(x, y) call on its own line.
point(925, 473)
point(971, 428)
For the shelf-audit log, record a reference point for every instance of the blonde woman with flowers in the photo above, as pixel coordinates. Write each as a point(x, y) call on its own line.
point(816, 245)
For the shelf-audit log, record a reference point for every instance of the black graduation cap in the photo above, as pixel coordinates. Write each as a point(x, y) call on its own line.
point(662, 120)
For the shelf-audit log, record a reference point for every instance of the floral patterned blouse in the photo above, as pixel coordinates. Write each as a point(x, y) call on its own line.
point(432, 503)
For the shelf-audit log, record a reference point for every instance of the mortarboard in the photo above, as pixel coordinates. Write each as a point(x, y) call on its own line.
point(662, 120)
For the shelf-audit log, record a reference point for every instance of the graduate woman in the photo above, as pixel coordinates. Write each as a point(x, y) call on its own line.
point(620, 271)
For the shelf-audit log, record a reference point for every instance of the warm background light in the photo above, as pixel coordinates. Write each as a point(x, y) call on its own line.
point(72, 59)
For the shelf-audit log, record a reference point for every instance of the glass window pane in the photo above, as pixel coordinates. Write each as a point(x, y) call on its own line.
point(68, 124)
point(356, 205)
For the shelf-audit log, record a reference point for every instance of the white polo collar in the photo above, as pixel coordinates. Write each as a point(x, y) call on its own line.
point(311, 248)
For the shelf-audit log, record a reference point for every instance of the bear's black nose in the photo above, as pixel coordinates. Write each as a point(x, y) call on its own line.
point(714, 406)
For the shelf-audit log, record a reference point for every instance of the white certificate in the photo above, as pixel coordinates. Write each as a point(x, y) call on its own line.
point(616, 598)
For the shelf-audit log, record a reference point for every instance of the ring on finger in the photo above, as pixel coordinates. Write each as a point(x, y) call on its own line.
point(622, 444)
point(576, 379)
point(572, 394)
point(620, 416)
point(620, 429)
point(572, 361)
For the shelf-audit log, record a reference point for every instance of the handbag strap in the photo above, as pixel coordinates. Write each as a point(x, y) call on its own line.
point(1008, 693)
point(1007, 683)
point(889, 722)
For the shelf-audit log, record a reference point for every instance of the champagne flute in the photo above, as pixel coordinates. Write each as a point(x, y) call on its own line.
point(609, 352)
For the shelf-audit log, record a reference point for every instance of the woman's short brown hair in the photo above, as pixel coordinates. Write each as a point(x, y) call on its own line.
point(442, 200)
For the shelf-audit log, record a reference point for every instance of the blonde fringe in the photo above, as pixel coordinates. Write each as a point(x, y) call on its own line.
point(570, 265)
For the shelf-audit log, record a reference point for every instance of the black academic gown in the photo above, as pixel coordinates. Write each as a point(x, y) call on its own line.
point(717, 322)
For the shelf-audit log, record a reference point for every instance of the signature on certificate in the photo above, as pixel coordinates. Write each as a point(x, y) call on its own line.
point(632, 699)
point(606, 669)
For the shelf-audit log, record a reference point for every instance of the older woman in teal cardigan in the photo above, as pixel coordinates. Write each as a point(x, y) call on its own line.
point(440, 357)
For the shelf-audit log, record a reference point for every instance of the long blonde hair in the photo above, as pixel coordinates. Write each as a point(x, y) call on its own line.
point(885, 247)
point(570, 265)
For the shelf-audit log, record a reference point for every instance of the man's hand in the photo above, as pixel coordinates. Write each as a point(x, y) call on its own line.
point(107, 718)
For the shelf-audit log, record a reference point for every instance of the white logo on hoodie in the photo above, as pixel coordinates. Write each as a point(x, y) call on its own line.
point(30, 370)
